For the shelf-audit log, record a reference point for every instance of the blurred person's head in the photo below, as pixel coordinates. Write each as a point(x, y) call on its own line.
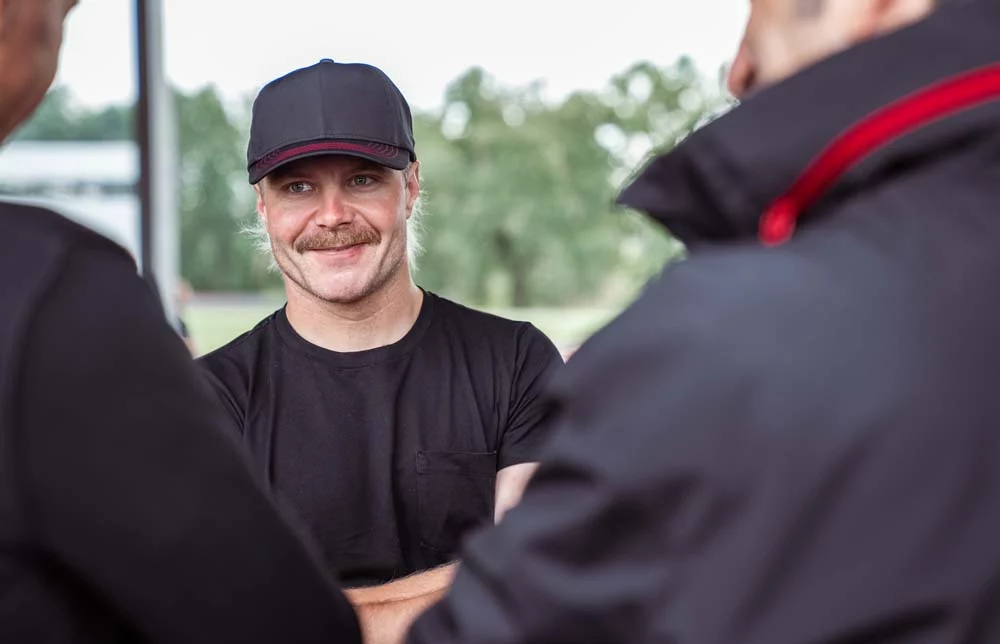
point(31, 33)
point(332, 159)
point(783, 37)
point(183, 293)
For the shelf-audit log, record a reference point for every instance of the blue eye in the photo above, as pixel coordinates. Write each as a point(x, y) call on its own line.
point(298, 186)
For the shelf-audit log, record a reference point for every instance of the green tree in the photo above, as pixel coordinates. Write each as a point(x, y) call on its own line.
point(517, 209)
point(653, 109)
point(216, 203)
point(520, 191)
point(59, 119)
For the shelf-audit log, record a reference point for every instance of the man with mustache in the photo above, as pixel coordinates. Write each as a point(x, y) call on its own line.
point(126, 512)
point(391, 419)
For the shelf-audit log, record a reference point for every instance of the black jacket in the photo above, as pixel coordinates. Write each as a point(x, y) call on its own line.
point(797, 441)
point(126, 514)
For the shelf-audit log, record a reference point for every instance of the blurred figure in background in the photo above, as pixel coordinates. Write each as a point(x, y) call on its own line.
point(126, 513)
point(183, 298)
point(792, 436)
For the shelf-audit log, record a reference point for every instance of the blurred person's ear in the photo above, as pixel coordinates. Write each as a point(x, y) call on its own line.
point(31, 34)
point(259, 190)
point(885, 16)
point(740, 77)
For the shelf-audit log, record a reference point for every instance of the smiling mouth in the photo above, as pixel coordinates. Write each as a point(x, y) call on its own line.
point(337, 249)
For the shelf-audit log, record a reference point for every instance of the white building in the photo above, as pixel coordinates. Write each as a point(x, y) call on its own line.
point(91, 182)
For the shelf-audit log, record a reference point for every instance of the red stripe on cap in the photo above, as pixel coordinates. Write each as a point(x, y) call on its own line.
point(862, 139)
point(380, 150)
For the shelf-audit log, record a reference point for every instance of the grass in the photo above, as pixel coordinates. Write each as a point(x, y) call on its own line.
point(214, 323)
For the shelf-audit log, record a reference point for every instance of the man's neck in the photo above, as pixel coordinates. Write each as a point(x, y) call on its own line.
point(380, 319)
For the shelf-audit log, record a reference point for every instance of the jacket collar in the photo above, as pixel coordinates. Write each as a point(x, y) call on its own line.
point(718, 183)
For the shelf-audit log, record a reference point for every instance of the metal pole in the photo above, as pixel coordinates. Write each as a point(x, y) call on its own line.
point(155, 137)
point(142, 139)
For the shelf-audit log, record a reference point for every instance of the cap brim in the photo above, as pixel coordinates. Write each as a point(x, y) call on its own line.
point(382, 154)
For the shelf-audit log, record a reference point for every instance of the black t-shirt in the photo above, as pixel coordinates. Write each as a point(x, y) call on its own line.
point(126, 511)
point(389, 455)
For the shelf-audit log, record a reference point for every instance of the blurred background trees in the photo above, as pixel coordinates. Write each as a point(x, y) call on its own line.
point(519, 190)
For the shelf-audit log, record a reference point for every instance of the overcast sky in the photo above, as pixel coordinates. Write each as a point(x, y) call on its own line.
point(239, 45)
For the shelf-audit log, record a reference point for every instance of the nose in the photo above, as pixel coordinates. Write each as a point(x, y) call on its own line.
point(740, 79)
point(335, 210)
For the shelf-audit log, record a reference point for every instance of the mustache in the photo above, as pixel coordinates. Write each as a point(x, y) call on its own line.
point(338, 238)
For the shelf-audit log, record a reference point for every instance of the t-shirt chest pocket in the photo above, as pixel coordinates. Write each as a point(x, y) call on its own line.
point(455, 492)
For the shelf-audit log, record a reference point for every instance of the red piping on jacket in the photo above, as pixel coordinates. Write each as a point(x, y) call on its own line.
point(865, 137)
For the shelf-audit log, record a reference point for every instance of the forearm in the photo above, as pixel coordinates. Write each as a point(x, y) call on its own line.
point(411, 587)
point(388, 622)
point(510, 486)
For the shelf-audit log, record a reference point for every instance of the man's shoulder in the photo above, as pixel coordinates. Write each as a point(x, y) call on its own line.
point(732, 313)
point(467, 314)
point(34, 228)
point(519, 339)
point(36, 245)
point(712, 352)
point(240, 355)
point(483, 323)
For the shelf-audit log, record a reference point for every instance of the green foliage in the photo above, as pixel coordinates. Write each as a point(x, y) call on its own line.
point(518, 190)
point(215, 200)
point(57, 119)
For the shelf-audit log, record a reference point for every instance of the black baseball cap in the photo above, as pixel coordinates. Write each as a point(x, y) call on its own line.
point(330, 108)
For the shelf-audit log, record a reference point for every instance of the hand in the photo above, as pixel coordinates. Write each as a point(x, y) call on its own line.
point(388, 622)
